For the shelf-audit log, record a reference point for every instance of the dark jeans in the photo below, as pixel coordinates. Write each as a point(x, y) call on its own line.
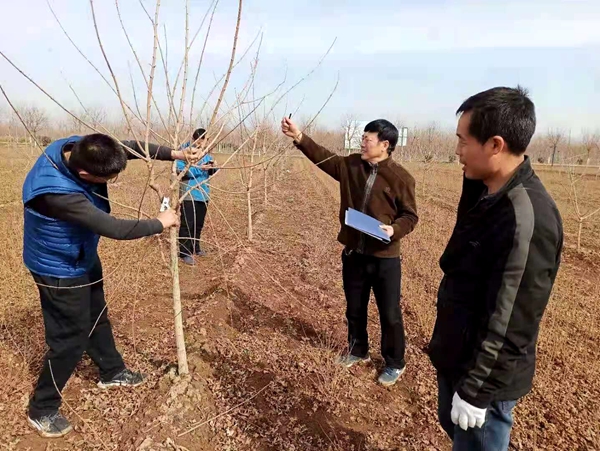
point(193, 213)
point(493, 436)
point(360, 274)
point(69, 316)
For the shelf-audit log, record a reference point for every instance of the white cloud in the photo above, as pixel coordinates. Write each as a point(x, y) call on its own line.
point(296, 35)
point(454, 25)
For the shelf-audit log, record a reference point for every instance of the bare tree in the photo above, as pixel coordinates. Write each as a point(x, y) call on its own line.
point(306, 125)
point(352, 131)
point(144, 123)
point(424, 145)
point(591, 142)
point(34, 118)
point(576, 193)
point(96, 116)
point(15, 128)
point(64, 127)
point(555, 137)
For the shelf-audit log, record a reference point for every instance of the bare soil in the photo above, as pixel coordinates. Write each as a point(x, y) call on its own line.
point(265, 320)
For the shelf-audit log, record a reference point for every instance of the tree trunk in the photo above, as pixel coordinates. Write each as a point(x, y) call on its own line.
point(249, 190)
point(579, 235)
point(266, 199)
point(179, 336)
point(182, 362)
point(249, 204)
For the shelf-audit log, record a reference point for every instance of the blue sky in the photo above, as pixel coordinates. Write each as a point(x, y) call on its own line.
point(413, 61)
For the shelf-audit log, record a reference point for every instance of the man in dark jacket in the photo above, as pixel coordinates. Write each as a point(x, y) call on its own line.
point(374, 184)
point(66, 212)
point(499, 268)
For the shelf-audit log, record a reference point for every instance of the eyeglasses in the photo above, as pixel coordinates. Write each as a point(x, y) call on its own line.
point(367, 140)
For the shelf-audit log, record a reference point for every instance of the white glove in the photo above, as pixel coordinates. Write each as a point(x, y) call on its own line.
point(465, 415)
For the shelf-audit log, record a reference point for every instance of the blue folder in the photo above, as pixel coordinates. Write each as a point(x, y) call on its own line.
point(366, 224)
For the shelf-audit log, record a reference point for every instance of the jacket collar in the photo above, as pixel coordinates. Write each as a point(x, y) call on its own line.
point(523, 173)
point(381, 164)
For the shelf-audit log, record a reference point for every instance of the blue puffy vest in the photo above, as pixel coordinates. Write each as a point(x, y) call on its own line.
point(53, 247)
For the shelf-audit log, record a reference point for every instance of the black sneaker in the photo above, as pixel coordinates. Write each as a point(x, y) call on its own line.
point(125, 378)
point(51, 426)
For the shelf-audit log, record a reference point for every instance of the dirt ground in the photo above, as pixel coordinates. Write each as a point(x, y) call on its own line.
point(265, 320)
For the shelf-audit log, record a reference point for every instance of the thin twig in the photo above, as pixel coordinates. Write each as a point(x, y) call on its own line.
point(87, 423)
point(27, 128)
point(231, 62)
point(227, 411)
point(115, 81)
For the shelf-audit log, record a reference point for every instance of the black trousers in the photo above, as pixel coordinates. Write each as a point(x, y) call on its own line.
point(69, 316)
point(193, 213)
point(361, 273)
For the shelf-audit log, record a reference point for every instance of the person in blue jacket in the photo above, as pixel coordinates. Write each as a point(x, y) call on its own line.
point(66, 211)
point(194, 206)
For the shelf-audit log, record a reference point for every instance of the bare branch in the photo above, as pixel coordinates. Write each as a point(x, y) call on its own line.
point(233, 49)
point(26, 128)
point(202, 57)
point(116, 83)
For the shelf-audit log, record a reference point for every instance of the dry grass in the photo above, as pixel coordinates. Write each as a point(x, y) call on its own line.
point(271, 314)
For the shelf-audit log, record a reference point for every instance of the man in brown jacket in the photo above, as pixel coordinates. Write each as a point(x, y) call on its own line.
point(374, 184)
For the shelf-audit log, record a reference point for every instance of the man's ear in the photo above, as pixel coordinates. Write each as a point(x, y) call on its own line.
point(85, 175)
point(497, 144)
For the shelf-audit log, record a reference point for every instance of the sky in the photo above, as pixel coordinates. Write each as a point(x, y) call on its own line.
point(412, 62)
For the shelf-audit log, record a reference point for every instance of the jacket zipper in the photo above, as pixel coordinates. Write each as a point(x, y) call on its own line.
point(368, 188)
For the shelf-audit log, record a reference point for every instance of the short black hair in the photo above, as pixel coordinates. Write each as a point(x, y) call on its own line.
point(505, 112)
point(99, 155)
point(199, 132)
point(386, 131)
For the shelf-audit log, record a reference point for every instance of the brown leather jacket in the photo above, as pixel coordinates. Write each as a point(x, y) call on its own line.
point(385, 191)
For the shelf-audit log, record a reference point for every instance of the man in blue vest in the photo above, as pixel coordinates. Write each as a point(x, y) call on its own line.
point(195, 203)
point(66, 212)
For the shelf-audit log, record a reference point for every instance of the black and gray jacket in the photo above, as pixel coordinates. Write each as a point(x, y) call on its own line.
point(499, 268)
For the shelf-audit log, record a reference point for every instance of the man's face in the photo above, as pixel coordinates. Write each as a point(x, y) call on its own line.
point(371, 148)
point(477, 159)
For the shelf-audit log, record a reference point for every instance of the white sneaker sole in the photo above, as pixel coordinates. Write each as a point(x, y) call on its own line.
point(350, 365)
point(107, 385)
point(45, 434)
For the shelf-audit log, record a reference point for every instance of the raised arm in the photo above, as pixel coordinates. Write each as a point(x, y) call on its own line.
point(325, 159)
point(159, 152)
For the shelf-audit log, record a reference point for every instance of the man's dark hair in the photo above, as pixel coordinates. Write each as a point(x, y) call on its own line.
point(504, 112)
point(198, 133)
point(386, 131)
point(99, 155)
